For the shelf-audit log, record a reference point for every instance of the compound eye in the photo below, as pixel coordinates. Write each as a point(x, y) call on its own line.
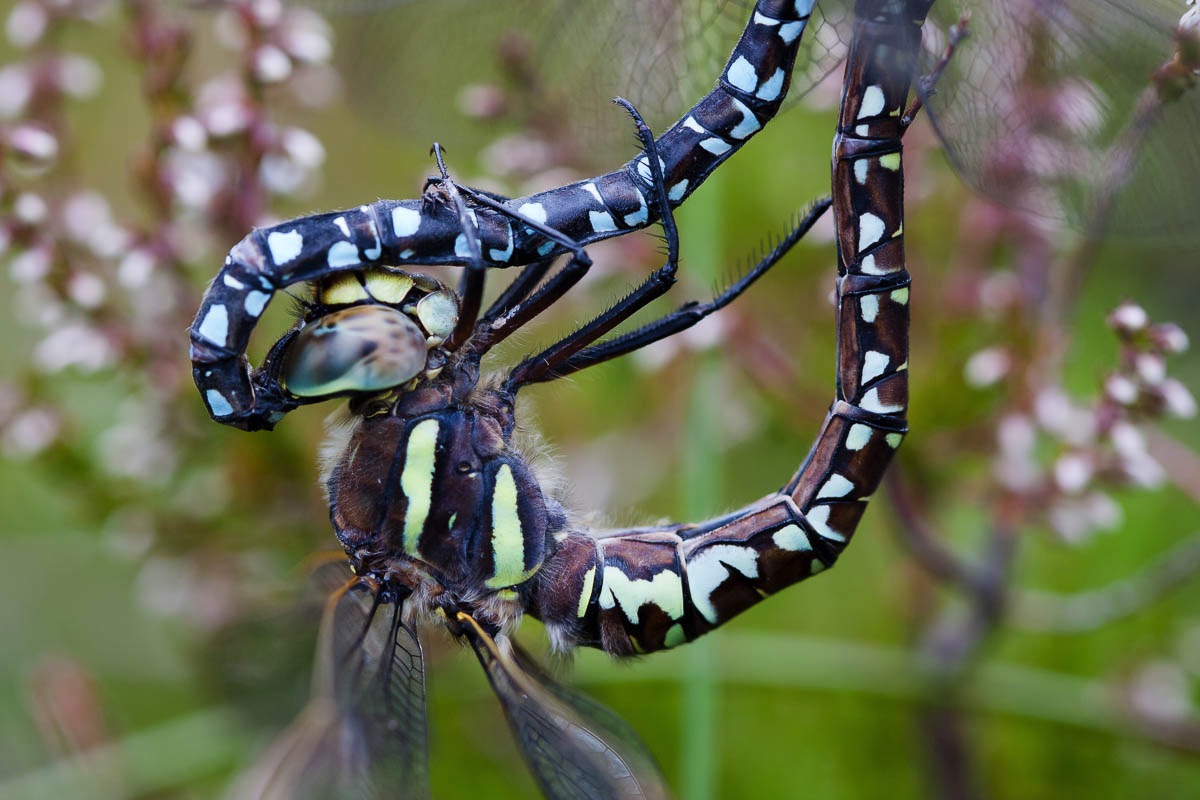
point(360, 349)
point(438, 312)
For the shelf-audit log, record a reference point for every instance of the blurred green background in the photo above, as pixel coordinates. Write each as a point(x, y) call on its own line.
point(157, 617)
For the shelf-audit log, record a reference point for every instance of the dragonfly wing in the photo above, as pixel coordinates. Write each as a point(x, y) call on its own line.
point(559, 63)
point(363, 733)
point(574, 746)
point(1040, 110)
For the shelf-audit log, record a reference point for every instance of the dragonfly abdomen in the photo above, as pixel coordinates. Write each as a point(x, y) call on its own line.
point(649, 589)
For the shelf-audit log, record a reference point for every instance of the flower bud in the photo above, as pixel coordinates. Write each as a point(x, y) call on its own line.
point(1169, 338)
point(1121, 389)
point(271, 65)
point(16, 90)
point(1072, 472)
point(306, 37)
point(78, 76)
point(26, 24)
point(1151, 368)
point(1128, 318)
point(34, 145)
point(1177, 399)
point(987, 367)
point(188, 133)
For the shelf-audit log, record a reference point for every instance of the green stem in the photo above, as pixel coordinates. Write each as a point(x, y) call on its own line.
point(811, 663)
point(700, 495)
point(166, 757)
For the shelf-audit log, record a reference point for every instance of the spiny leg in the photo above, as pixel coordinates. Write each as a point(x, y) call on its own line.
point(472, 285)
point(545, 365)
point(928, 82)
point(518, 290)
point(507, 321)
point(689, 314)
point(516, 306)
point(470, 288)
point(488, 336)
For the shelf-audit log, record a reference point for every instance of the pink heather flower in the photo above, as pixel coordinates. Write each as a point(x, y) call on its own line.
point(26, 24)
point(1121, 389)
point(987, 367)
point(188, 133)
point(1151, 368)
point(1073, 472)
point(16, 90)
point(1178, 400)
point(32, 265)
point(1161, 691)
point(271, 65)
point(30, 432)
point(306, 37)
point(1169, 337)
point(34, 144)
point(78, 76)
point(74, 345)
point(1128, 318)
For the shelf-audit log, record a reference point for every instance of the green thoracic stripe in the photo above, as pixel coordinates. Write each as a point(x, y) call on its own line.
point(508, 540)
point(416, 481)
point(585, 594)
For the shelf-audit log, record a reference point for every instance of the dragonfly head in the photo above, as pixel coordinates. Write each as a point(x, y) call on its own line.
point(368, 332)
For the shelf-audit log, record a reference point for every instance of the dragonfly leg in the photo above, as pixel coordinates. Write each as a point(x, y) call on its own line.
point(928, 83)
point(518, 290)
point(689, 314)
point(470, 288)
point(546, 365)
point(501, 323)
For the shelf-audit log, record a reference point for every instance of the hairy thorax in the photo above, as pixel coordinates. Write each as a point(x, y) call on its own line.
point(427, 495)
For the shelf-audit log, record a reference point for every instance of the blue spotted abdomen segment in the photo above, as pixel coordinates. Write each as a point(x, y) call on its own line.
point(868, 418)
point(441, 490)
point(749, 93)
point(267, 260)
point(643, 590)
point(747, 96)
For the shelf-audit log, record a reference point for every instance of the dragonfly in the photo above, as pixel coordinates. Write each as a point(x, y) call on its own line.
point(444, 522)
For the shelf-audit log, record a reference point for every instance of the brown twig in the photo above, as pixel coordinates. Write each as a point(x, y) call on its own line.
point(1086, 611)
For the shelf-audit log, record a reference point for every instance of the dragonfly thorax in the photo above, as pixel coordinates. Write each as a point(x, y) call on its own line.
point(434, 484)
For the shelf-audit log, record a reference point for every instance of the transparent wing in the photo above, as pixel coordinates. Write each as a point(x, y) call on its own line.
point(363, 733)
point(1044, 107)
point(575, 747)
point(406, 63)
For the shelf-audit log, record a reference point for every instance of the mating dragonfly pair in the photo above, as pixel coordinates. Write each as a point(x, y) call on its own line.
point(444, 521)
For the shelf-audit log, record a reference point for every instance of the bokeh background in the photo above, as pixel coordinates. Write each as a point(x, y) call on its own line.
point(1018, 617)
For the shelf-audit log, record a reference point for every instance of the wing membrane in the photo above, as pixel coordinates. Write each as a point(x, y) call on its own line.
point(561, 61)
point(363, 733)
point(1042, 108)
point(574, 746)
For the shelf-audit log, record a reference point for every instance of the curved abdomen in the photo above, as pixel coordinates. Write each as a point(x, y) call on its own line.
point(647, 589)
